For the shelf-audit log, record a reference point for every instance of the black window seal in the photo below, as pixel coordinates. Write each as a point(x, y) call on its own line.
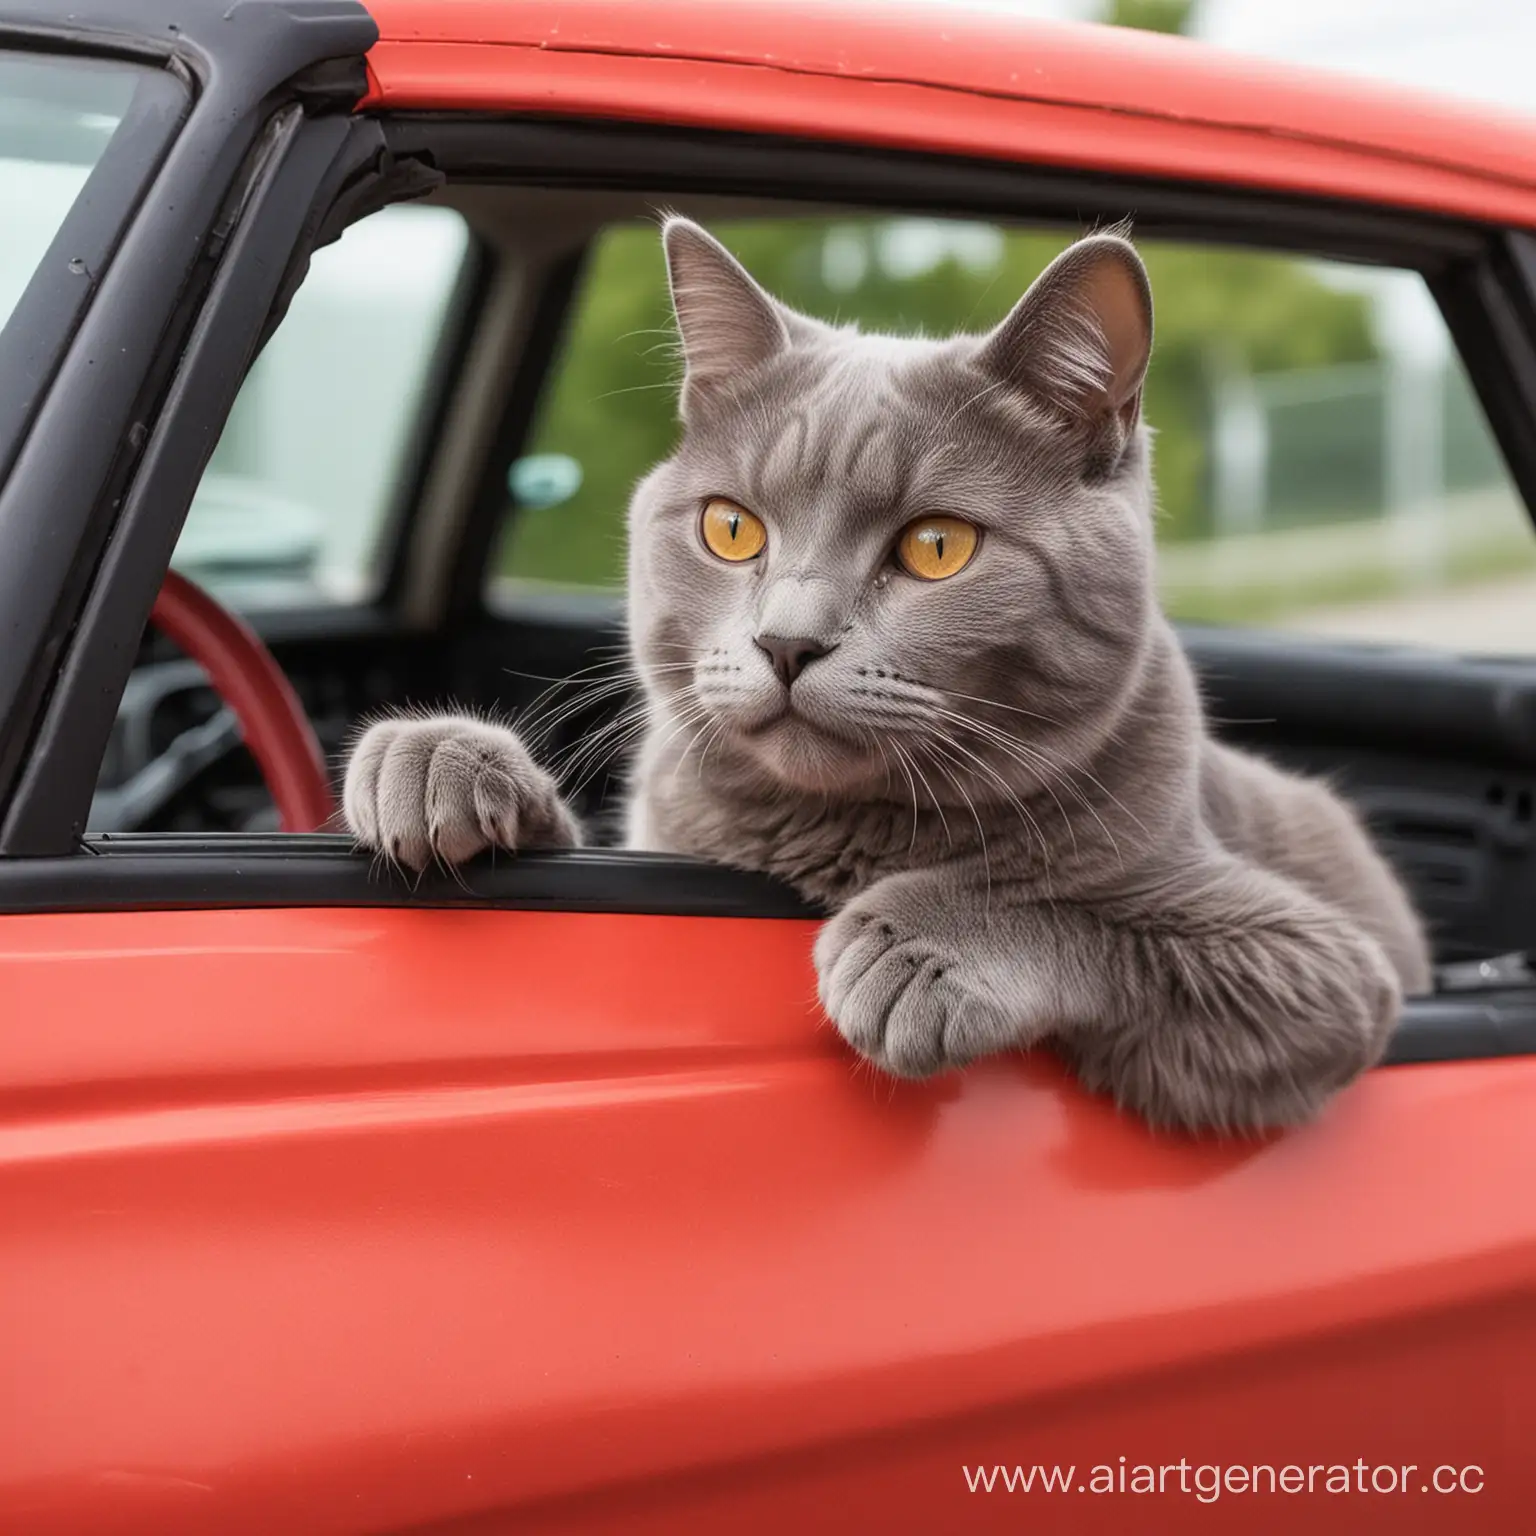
point(168, 870)
point(38, 332)
point(1473, 269)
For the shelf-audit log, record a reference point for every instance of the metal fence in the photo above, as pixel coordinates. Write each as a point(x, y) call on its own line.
point(1350, 442)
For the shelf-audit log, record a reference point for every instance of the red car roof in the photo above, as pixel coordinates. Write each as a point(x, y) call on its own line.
point(957, 77)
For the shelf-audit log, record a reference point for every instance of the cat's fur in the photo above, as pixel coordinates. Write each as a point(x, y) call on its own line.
point(1002, 781)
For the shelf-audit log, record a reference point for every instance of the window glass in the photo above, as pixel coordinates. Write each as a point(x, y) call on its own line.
point(56, 119)
point(296, 500)
point(1322, 463)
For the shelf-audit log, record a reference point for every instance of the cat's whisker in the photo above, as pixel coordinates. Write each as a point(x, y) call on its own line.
point(1063, 777)
point(886, 748)
point(986, 862)
point(1032, 827)
point(587, 694)
point(1048, 773)
point(901, 758)
point(566, 677)
point(579, 690)
point(619, 665)
point(606, 741)
point(1006, 744)
point(694, 741)
point(542, 726)
point(966, 404)
point(1030, 823)
point(715, 739)
point(1015, 709)
point(577, 770)
point(633, 718)
point(695, 710)
point(532, 717)
point(938, 806)
point(599, 756)
point(1035, 747)
point(994, 737)
point(679, 726)
point(1044, 772)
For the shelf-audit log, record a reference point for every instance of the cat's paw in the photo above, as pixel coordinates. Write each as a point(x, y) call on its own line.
point(908, 1003)
point(443, 789)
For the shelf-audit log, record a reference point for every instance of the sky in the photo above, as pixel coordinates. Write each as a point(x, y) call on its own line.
point(1478, 49)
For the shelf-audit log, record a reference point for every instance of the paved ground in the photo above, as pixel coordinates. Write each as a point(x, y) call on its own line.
point(1490, 616)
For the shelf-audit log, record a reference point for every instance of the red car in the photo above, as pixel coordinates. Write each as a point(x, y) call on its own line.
point(544, 1199)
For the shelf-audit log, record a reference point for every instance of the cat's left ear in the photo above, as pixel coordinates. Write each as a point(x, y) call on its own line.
point(1080, 340)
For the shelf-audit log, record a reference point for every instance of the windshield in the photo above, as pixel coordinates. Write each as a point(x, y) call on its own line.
point(56, 119)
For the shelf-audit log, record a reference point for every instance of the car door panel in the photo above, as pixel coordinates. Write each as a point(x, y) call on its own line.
point(366, 1218)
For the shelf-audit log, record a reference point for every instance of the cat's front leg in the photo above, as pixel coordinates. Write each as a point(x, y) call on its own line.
point(1241, 1002)
point(1217, 996)
point(445, 787)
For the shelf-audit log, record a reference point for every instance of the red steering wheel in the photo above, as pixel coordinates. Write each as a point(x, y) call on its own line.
point(251, 683)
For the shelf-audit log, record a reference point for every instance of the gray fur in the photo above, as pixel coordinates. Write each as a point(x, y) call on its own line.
point(1002, 782)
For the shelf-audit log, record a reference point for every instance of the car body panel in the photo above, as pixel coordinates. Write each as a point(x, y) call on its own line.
point(959, 80)
point(354, 1219)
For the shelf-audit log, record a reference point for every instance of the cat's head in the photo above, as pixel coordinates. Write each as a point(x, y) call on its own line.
point(871, 554)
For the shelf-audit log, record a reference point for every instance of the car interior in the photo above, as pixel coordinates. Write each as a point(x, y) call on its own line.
point(468, 542)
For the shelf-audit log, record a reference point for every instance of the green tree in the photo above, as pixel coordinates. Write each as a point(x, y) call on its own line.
point(1151, 15)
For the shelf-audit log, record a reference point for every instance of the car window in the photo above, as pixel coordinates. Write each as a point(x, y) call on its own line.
point(56, 119)
point(297, 497)
point(1322, 463)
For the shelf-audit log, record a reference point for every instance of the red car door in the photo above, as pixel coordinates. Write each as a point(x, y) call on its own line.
point(344, 1218)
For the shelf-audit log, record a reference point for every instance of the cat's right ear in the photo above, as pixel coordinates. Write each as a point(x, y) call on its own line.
point(727, 324)
point(1080, 340)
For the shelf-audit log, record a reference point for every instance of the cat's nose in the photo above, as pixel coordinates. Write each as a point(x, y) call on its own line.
point(790, 657)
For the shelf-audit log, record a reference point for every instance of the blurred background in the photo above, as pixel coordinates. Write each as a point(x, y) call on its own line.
point(1322, 463)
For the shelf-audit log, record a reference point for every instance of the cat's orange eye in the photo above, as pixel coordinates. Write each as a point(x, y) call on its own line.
point(935, 547)
point(731, 531)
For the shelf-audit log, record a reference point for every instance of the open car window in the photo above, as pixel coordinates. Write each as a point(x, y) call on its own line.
point(1322, 464)
point(302, 488)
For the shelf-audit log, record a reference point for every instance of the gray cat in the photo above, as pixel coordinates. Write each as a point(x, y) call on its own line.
point(891, 606)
